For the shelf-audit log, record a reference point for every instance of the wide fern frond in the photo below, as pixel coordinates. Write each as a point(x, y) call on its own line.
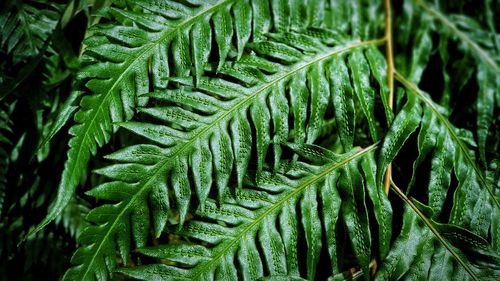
point(258, 233)
point(201, 130)
point(149, 42)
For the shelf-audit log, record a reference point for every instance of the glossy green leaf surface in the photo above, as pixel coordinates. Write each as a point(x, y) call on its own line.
point(249, 140)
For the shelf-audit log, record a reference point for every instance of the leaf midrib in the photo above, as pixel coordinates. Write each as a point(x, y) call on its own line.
point(172, 157)
point(296, 191)
point(433, 230)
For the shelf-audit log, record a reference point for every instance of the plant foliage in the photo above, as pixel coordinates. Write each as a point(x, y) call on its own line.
point(250, 139)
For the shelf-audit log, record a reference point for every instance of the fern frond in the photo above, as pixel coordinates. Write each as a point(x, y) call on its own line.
point(260, 230)
point(190, 129)
point(470, 33)
point(148, 42)
point(5, 143)
point(447, 147)
point(483, 46)
point(26, 27)
point(480, 48)
point(433, 247)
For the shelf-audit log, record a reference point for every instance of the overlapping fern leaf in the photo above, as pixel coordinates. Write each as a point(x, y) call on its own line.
point(258, 232)
point(197, 134)
point(478, 44)
point(422, 252)
point(450, 151)
point(236, 128)
point(150, 41)
point(457, 157)
point(448, 148)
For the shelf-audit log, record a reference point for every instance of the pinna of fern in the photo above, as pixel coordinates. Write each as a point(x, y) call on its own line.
point(262, 224)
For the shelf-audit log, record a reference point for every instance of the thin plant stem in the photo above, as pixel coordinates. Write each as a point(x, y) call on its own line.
point(390, 77)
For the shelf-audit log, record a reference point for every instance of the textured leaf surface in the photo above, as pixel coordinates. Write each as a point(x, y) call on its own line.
point(469, 194)
point(221, 139)
point(196, 123)
point(170, 37)
point(250, 231)
point(417, 254)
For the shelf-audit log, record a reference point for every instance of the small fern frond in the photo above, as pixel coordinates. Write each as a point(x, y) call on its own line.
point(26, 27)
point(483, 45)
point(479, 46)
point(448, 149)
point(470, 33)
point(5, 148)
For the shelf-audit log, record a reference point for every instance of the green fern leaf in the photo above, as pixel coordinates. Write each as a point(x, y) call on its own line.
point(474, 41)
point(453, 144)
point(248, 229)
point(27, 26)
point(190, 131)
point(73, 217)
point(174, 37)
point(417, 254)
point(5, 143)
point(234, 128)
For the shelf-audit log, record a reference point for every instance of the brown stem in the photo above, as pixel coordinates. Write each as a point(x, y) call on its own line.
point(390, 77)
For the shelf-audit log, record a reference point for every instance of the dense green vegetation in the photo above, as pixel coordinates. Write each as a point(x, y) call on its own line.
point(249, 140)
